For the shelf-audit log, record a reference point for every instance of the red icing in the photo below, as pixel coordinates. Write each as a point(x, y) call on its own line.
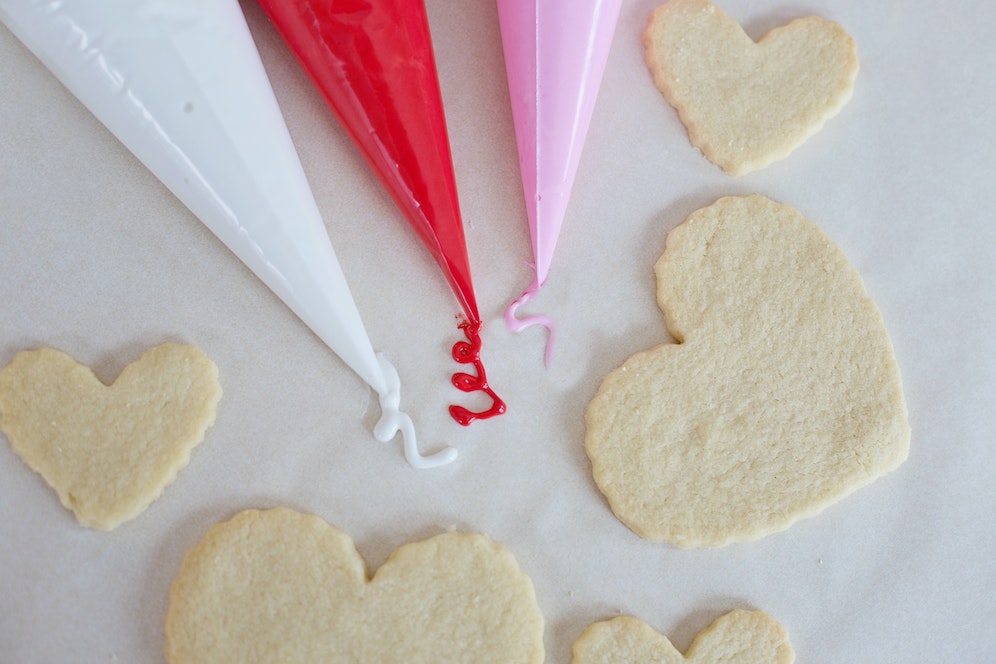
point(373, 63)
point(470, 353)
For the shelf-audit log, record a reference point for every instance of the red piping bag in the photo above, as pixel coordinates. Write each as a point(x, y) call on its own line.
point(373, 63)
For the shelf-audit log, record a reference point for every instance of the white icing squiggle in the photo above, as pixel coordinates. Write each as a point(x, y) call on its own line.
point(519, 324)
point(392, 420)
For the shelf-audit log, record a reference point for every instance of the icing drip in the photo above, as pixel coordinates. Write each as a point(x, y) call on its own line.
point(519, 324)
point(392, 420)
point(470, 353)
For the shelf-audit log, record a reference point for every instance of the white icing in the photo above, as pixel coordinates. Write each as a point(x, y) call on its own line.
point(392, 420)
point(180, 83)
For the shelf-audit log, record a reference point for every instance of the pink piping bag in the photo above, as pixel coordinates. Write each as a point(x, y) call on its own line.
point(555, 55)
point(373, 63)
point(180, 83)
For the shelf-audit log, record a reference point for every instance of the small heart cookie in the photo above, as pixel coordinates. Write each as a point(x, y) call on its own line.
point(281, 586)
point(744, 637)
point(781, 397)
point(746, 104)
point(108, 451)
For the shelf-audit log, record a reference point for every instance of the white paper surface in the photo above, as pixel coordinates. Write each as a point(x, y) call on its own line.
point(100, 260)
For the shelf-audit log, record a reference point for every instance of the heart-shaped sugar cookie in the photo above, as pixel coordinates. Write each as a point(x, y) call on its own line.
point(108, 451)
point(781, 397)
point(744, 637)
point(746, 104)
point(281, 586)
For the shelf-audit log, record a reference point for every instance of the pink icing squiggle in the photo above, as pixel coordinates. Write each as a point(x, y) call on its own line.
point(516, 324)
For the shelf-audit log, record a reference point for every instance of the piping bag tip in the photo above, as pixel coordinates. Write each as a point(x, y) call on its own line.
point(469, 352)
point(392, 420)
point(516, 324)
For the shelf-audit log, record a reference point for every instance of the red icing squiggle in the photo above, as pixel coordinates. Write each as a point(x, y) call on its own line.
point(470, 353)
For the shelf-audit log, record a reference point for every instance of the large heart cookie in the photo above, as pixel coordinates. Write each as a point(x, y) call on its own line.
point(280, 586)
point(744, 637)
point(746, 104)
point(108, 451)
point(781, 397)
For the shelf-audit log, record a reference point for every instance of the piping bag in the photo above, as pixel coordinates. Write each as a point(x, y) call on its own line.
point(180, 83)
point(373, 63)
point(555, 55)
